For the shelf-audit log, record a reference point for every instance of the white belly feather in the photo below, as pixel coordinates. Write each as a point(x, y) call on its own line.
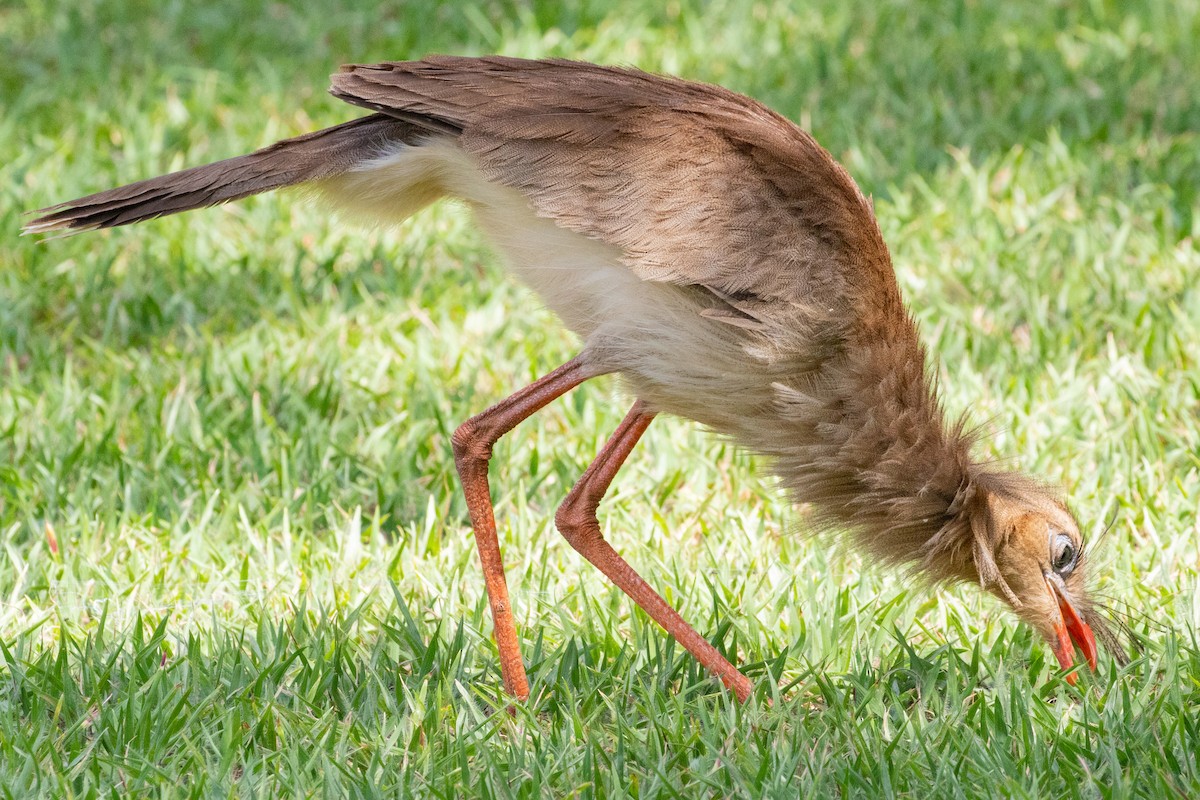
point(645, 330)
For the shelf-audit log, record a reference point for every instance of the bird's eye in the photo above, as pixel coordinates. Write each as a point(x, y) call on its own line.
point(1064, 553)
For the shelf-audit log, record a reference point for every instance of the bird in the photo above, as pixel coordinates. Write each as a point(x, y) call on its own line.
point(720, 261)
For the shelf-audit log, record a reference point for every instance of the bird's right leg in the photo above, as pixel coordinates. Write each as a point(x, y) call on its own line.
point(577, 521)
point(472, 450)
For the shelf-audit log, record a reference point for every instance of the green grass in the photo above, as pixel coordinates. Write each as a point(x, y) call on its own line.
point(235, 560)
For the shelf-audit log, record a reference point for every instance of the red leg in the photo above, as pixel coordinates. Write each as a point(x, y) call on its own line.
point(472, 450)
point(576, 519)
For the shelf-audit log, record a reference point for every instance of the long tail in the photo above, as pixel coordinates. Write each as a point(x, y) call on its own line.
point(314, 156)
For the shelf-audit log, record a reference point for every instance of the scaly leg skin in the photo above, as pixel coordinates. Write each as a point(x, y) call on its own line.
point(472, 450)
point(576, 520)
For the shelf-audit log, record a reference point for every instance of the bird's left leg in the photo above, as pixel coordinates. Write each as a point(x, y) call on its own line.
point(576, 520)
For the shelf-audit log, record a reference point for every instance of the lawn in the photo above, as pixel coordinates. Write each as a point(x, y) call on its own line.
point(235, 561)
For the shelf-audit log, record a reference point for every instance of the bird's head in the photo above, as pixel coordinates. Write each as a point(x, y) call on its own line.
point(1029, 552)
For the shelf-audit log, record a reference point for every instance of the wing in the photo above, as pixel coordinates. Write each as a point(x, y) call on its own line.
point(695, 184)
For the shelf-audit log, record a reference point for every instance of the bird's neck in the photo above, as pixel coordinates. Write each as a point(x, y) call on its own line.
point(869, 450)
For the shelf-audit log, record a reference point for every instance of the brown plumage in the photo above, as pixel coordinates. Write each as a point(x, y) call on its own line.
point(719, 260)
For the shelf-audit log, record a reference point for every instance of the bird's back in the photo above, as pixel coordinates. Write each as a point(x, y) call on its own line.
point(694, 184)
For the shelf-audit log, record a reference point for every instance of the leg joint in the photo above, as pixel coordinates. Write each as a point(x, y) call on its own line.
point(469, 445)
point(576, 521)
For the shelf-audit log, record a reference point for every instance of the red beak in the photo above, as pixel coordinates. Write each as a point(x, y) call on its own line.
point(1071, 629)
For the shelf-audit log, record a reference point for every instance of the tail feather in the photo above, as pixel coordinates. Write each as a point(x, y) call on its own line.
point(314, 156)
